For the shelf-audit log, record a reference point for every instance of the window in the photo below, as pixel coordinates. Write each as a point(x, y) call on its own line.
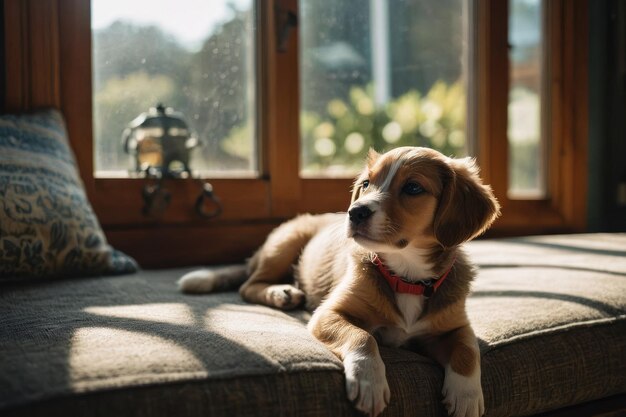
point(195, 56)
point(471, 94)
point(379, 74)
point(527, 93)
point(552, 200)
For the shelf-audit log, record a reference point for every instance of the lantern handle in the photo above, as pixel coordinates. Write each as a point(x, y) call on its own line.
point(207, 193)
point(126, 136)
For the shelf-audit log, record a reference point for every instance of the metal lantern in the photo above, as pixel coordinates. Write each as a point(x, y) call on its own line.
point(161, 142)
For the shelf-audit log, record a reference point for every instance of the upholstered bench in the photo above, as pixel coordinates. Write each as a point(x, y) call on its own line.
point(550, 313)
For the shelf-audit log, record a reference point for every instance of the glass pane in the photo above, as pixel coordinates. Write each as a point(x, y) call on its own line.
point(526, 156)
point(195, 56)
point(381, 74)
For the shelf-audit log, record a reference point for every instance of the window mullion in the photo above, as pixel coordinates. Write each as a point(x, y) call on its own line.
point(492, 90)
point(281, 104)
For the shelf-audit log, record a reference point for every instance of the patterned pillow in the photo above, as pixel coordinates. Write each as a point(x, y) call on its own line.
point(47, 226)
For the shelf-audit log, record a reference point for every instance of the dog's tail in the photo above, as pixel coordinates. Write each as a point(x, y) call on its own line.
point(226, 278)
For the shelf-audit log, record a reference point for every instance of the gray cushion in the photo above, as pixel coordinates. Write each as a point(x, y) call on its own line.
point(47, 226)
point(550, 313)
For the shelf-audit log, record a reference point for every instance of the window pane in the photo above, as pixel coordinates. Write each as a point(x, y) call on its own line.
point(526, 156)
point(195, 56)
point(381, 74)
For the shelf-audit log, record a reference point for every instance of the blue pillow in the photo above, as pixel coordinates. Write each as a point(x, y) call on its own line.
point(47, 226)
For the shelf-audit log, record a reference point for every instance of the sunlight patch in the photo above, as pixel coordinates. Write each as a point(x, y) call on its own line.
point(171, 313)
point(248, 319)
point(100, 355)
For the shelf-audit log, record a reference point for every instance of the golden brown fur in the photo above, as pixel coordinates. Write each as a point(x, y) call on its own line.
point(412, 207)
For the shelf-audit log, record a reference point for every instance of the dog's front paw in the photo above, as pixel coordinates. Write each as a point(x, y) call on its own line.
point(366, 383)
point(285, 297)
point(463, 395)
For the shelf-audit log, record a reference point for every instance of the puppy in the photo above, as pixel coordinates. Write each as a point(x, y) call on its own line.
point(390, 270)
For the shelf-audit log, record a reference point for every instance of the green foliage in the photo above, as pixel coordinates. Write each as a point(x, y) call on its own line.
point(124, 48)
point(238, 142)
point(525, 167)
point(338, 140)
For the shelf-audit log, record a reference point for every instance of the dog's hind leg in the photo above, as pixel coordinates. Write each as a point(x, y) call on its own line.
point(271, 267)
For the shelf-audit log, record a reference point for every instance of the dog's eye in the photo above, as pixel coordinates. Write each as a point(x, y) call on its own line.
point(412, 188)
point(365, 184)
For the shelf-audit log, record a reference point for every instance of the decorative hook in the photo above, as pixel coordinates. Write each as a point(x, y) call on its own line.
point(155, 199)
point(207, 194)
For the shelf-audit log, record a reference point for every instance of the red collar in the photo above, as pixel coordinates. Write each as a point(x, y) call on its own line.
point(425, 287)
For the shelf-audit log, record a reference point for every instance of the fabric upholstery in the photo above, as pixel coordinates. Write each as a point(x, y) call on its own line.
point(47, 226)
point(549, 312)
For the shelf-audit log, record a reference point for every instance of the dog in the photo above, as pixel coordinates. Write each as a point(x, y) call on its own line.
point(391, 270)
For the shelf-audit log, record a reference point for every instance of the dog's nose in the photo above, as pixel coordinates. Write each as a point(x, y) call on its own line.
point(359, 214)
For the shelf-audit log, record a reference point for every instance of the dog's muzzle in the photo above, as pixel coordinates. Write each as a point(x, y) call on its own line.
point(359, 214)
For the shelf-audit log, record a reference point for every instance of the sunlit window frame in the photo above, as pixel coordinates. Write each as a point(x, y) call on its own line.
point(565, 108)
point(47, 45)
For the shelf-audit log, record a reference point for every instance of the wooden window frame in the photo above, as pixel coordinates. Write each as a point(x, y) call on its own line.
point(564, 209)
point(46, 45)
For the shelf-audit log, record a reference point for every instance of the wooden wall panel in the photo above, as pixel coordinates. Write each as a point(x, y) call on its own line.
point(32, 68)
point(166, 246)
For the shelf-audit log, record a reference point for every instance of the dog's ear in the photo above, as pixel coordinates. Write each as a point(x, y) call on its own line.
point(372, 157)
point(466, 206)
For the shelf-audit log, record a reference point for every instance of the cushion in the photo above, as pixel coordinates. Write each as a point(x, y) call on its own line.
point(549, 312)
point(47, 226)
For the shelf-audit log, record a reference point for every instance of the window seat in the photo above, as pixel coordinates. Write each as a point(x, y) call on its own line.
point(549, 312)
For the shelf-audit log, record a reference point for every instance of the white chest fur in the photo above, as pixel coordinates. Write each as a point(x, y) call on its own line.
point(411, 307)
point(411, 263)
